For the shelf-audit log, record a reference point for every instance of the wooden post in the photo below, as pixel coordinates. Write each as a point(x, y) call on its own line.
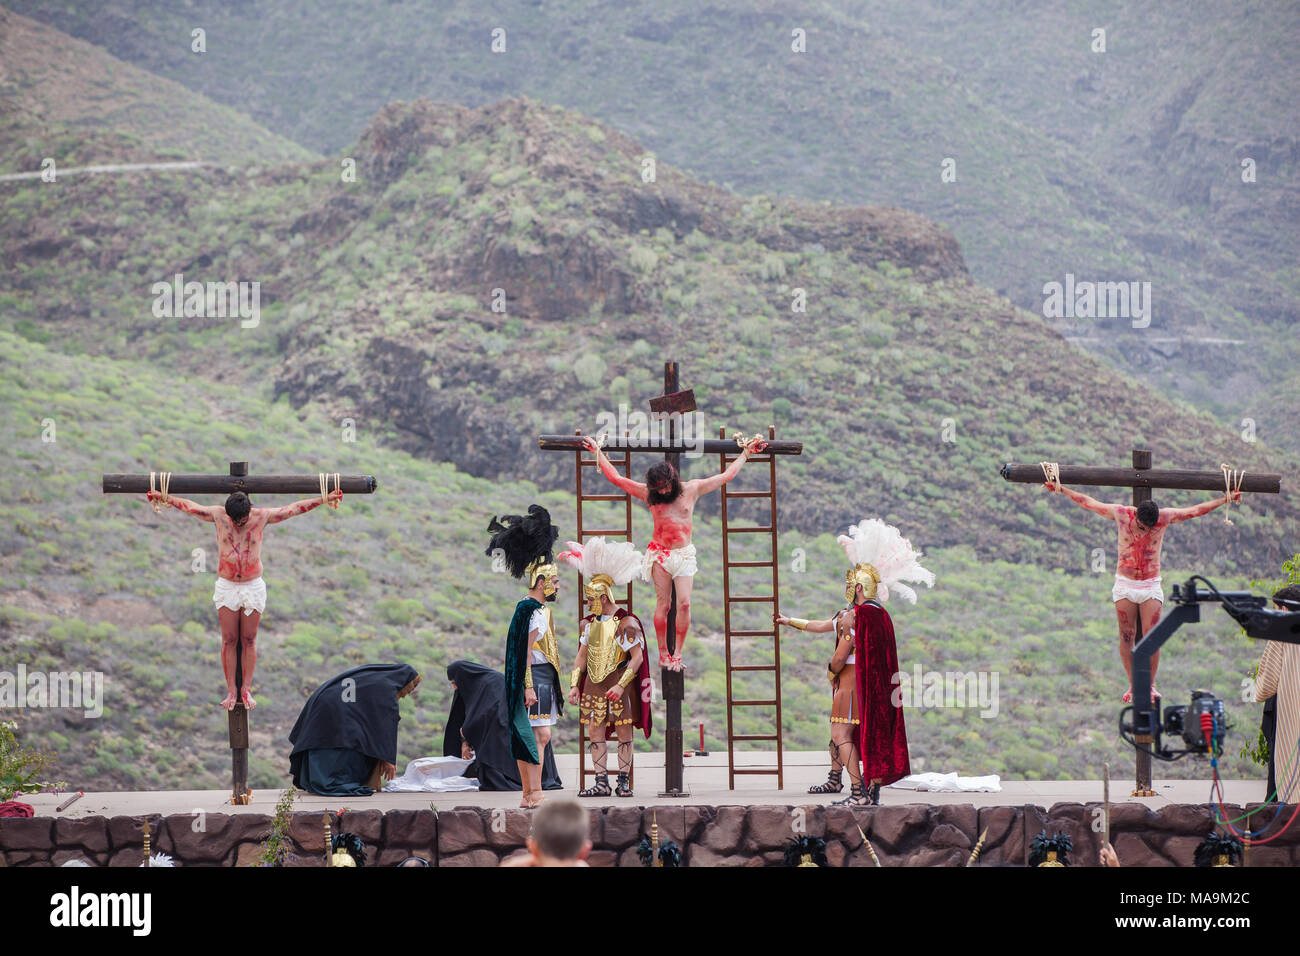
point(1142, 772)
point(673, 683)
point(238, 716)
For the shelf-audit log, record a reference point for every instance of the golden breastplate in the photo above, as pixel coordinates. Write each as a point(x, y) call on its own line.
point(604, 653)
point(547, 643)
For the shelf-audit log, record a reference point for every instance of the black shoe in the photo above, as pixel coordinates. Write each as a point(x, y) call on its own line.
point(834, 784)
point(873, 794)
point(601, 789)
point(857, 797)
point(624, 788)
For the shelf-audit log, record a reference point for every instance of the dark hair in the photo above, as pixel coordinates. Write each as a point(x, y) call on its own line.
point(560, 828)
point(1148, 513)
point(1289, 593)
point(658, 475)
point(238, 506)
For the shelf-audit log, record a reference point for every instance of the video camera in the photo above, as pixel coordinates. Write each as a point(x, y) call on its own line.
point(1203, 721)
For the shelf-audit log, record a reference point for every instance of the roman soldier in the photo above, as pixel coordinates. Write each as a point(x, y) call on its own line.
point(610, 682)
point(525, 543)
point(866, 726)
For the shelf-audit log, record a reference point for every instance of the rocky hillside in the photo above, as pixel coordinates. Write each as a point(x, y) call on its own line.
point(1120, 166)
point(908, 382)
point(72, 101)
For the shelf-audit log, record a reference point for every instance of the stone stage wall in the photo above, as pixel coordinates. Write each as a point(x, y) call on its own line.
point(912, 835)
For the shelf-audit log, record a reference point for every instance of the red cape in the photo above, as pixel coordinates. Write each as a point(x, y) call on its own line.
point(642, 682)
point(882, 738)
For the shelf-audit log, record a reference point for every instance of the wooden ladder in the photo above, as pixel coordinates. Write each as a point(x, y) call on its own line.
point(625, 533)
point(773, 632)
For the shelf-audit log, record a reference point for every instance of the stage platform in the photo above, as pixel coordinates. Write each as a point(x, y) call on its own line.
point(705, 778)
point(713, 825)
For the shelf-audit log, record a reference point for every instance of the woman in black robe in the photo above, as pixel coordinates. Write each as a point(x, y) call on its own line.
point(478, 717)
point(347, 732)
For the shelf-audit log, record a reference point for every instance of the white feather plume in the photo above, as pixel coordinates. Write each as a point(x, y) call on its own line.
point(619, 559)
point(883, 546)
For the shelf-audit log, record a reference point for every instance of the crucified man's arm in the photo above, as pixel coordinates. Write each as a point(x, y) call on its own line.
point(634, 488)
point(285, 512)
point(1195, 511)
point(202, 512)
point(1083, 501)
point(714, 482)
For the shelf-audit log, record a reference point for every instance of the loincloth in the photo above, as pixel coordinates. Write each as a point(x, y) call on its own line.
point(248, 595)
point(1137, 591)
point(678, 562)
point(593, 707)
point(844, 697)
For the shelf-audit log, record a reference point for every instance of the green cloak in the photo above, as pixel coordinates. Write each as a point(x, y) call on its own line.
point(523, 745)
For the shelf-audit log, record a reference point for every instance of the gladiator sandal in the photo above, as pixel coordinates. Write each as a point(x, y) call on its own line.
point(873, 794)
point(834, 783)
point(857, 797)
point(601, 789)
point(623, 789)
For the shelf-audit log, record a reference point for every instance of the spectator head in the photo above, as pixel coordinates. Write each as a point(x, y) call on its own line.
point(559, 835)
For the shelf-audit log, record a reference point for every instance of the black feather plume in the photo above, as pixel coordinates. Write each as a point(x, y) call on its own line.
point(523, 538)
point(352, 844)
point(1216, 845)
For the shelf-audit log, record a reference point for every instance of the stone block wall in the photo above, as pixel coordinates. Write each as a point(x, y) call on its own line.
point(908, 835)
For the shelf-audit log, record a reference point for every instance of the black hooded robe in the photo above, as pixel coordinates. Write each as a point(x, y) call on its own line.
point(478, 710)
point(345, 728)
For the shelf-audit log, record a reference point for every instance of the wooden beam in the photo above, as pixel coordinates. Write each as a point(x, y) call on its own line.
point(670, 403)
point(706, 446)
point(1143, 478)
point(251, 484)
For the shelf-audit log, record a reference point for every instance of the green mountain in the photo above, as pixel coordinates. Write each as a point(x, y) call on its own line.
point(908, 383)
point(71, 101)
point(1108, 167)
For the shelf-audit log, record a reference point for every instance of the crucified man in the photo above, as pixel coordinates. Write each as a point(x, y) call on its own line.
point(1137, 591)
point(670, 556)
point(239, 577)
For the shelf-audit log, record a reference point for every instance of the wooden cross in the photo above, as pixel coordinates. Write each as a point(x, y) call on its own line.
point(1142, 478)
point(239, 480)
point(672, 403)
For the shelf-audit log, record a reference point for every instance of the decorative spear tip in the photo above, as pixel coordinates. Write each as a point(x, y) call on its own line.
point(979, 845)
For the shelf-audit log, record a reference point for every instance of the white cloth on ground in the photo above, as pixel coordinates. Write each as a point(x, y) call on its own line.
point(949, 782)
point(433, 774)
